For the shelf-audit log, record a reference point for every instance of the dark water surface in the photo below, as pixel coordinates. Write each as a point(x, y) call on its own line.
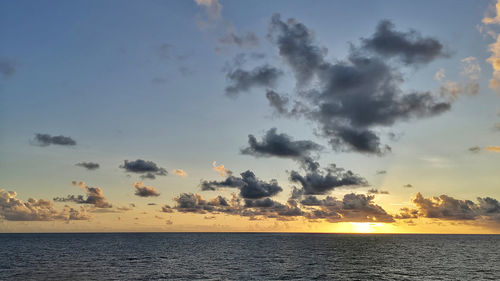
point(255, 256)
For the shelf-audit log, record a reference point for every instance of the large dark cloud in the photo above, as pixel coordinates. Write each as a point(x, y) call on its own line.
point(316, 182)
point(351, 98)
point(448, 208)
point(282, 145)
point(94, 196)
point(144, 190)
point(88, 165)
point(14, 209)
point(243, 80)
point(249, 185)
point(411, 47)
point(46, 140)
point(148, 169)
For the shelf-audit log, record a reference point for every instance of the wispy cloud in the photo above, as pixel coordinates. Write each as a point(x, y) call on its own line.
point(180, 172)
point(493, 148)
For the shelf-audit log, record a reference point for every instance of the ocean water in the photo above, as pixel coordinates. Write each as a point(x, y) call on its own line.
point(248, 256)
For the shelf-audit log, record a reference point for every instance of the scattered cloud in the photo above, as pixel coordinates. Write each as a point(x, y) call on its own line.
point(212, 19)
point(318, 182)
point(493, 148)
point(46, 140)
point(13, 209)
point(88, 165)
point(352, 208)
point(144, 190)
point(282, 145)
point(148, 169)
point(212, 8)
point(94, 196)
point(179, 172)
point(474, 149)
point(410, 47)
point(449, 208)
point(377, 191)
point(242, 80)
point(249, 185)
point(494, 48)
point(440, 74)
point(223, 172)
point(469, 86)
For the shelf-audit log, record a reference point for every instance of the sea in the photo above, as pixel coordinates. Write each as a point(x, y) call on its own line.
point(248, 256)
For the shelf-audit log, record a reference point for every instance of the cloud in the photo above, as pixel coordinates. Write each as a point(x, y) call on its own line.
point(247, 40)
point(213, 19)
point(474, 149)
point(148, 169)
point(94, 197)
point(470, 85)
point(212, 8)
point(144, 190)
point(46, 140)
point(223, 172)
point(448, 208)
point(440, 74)
point(249, 185)
point(13, 209)
point(351, 98)
point(194, 203)
point(410, 47)
point(494, 48)
point(493, 148)
point(243, 80)
point(282, 145)
point(88, 165)
point(7, 67)
point(317, 182)
point(376, 191)
point(352, 208)
point(408, 186)
point(277, 101)
point(180, 172)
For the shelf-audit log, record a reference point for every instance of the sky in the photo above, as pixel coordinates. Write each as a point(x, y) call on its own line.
point(285, 116)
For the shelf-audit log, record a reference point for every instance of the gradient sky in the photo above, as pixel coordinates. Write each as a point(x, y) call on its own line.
point(151, 80)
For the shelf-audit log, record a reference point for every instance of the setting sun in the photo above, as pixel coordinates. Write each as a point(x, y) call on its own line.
point(366, 227)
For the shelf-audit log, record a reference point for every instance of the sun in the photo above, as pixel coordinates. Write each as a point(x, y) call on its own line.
point(366, 227)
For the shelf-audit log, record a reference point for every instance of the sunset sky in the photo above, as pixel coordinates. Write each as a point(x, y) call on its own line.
point(213, 115)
